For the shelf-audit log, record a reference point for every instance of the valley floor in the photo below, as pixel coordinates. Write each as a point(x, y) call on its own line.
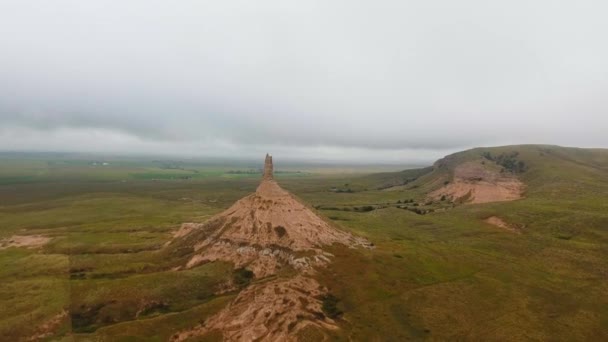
point(100, 270)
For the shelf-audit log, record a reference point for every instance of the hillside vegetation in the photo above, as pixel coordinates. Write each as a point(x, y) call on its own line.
point(440, 269)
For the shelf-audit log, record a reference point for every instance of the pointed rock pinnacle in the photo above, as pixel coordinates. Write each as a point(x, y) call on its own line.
point(268, 168)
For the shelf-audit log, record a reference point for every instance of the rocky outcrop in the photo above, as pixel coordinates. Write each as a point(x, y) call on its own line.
point(266, 232)
point(478, 182)
point(271, 219)
point(268, 168)
point(273, 311)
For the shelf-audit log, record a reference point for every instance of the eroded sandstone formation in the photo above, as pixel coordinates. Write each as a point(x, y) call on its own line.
point(266, 232)
point(268, 168)
point(474, 182)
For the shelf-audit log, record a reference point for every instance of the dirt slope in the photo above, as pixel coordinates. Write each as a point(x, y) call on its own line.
point(514, 171)
point(500, 223)
point(480, 182)
point(264, 231)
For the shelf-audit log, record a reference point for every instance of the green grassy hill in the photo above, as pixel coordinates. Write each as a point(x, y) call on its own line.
point(545, 167)
point(450, 275)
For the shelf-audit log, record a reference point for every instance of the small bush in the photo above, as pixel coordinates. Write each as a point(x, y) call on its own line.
point(330, 306)
point(242, 277)
point(280, 231)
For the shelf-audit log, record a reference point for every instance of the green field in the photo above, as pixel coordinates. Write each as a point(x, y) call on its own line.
point(444, 275)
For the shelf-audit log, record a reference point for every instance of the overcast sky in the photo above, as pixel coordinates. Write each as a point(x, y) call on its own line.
point(386, 81)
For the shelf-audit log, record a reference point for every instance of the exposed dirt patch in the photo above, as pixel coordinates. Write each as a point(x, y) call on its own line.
point(475, 182)
point(48, 328)
point(498, 222)
point(27, 241)
point(185, 229)
point(151, 307)
point(272, 311)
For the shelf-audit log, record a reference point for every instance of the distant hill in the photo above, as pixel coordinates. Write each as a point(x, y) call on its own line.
point(502, 173)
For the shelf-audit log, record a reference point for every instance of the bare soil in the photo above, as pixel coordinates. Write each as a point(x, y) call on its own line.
point(498, 222)
point(27, 241)
point(477, 183)
point(46, 329)
point(263, 230)
point(266, 232)
point(272, 311)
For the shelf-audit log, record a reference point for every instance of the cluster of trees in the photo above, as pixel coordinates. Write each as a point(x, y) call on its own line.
point(404, 181)
point(419, 211)
point(361, 209)
point(508, 161)
point(245, 172)
point(347, 190)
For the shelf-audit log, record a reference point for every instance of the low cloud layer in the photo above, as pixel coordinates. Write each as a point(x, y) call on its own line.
point(394, 80)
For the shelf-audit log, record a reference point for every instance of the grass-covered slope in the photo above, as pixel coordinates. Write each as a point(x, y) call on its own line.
point(450, 275)
point(444, 275)
point(540, 167)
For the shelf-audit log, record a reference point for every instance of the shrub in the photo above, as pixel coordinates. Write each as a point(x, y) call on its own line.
point(280, 231)
point(330, 306)
point(242, 276)
point(508, 161)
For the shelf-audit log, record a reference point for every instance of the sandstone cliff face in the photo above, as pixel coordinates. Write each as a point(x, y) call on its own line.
point(266, 232)
point(474, 182)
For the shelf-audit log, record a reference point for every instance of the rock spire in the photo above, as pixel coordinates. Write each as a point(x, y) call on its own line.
point(280, 241)
point(268, 168)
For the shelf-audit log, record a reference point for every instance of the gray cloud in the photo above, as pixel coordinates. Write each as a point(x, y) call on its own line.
point(333, 79)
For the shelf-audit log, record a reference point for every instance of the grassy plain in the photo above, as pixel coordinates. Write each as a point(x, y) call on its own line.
point(443, 275)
